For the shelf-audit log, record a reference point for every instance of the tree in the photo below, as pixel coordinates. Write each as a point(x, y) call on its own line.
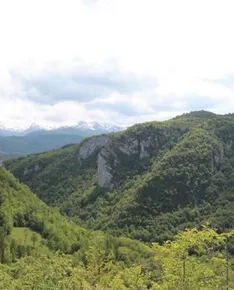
point(195, 260)
point(34, 239)
point(25, 236)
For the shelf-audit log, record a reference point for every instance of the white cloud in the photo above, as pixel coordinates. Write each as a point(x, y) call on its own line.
point(185, 45)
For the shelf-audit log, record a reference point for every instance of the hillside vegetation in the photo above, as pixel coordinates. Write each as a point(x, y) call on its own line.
point(147, 182)
point(33, 233)
point(40, 249)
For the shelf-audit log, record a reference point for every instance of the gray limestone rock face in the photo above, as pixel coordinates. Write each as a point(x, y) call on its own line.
point(91, 145)
point(104, 171)
point(130, 146)
point(144, 147)
point(135, 147)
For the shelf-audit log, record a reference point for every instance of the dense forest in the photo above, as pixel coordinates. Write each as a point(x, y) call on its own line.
point(40, 249)
point(151, 207)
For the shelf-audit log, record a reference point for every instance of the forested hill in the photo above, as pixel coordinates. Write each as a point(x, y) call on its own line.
point(40, 249)
point(147, 182)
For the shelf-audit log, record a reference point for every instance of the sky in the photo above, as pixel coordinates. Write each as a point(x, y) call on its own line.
point(114, 61)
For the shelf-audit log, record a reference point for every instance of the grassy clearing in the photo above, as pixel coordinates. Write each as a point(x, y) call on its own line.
point(26, 237)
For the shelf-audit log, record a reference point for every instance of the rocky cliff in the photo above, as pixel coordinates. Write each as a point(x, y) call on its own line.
point(91, 146)
point(119, 152)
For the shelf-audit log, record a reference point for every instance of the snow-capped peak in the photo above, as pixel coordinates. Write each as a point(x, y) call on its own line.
point(95, 126)
point(85, 125)
point(82, 126)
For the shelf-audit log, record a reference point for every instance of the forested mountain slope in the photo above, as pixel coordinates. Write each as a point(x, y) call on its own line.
point(147, 182)
point(44, 250)
point(40, 249)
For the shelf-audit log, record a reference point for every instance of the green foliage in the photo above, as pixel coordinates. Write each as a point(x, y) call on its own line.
point(37, 244)
point(26, 220)
point(40, 249)
point(24, 236)
point(196, 260)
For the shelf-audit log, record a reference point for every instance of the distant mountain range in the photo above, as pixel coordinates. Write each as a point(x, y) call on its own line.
point(35, 139)
point(82, 128)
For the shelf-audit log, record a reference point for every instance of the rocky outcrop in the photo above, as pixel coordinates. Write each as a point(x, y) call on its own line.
point(105, 176)
point(142, 148)
point(95, 145)
point(117, 153)
point(146, 146)
point(130, 146)
point(109, 159)
point(92, 145)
